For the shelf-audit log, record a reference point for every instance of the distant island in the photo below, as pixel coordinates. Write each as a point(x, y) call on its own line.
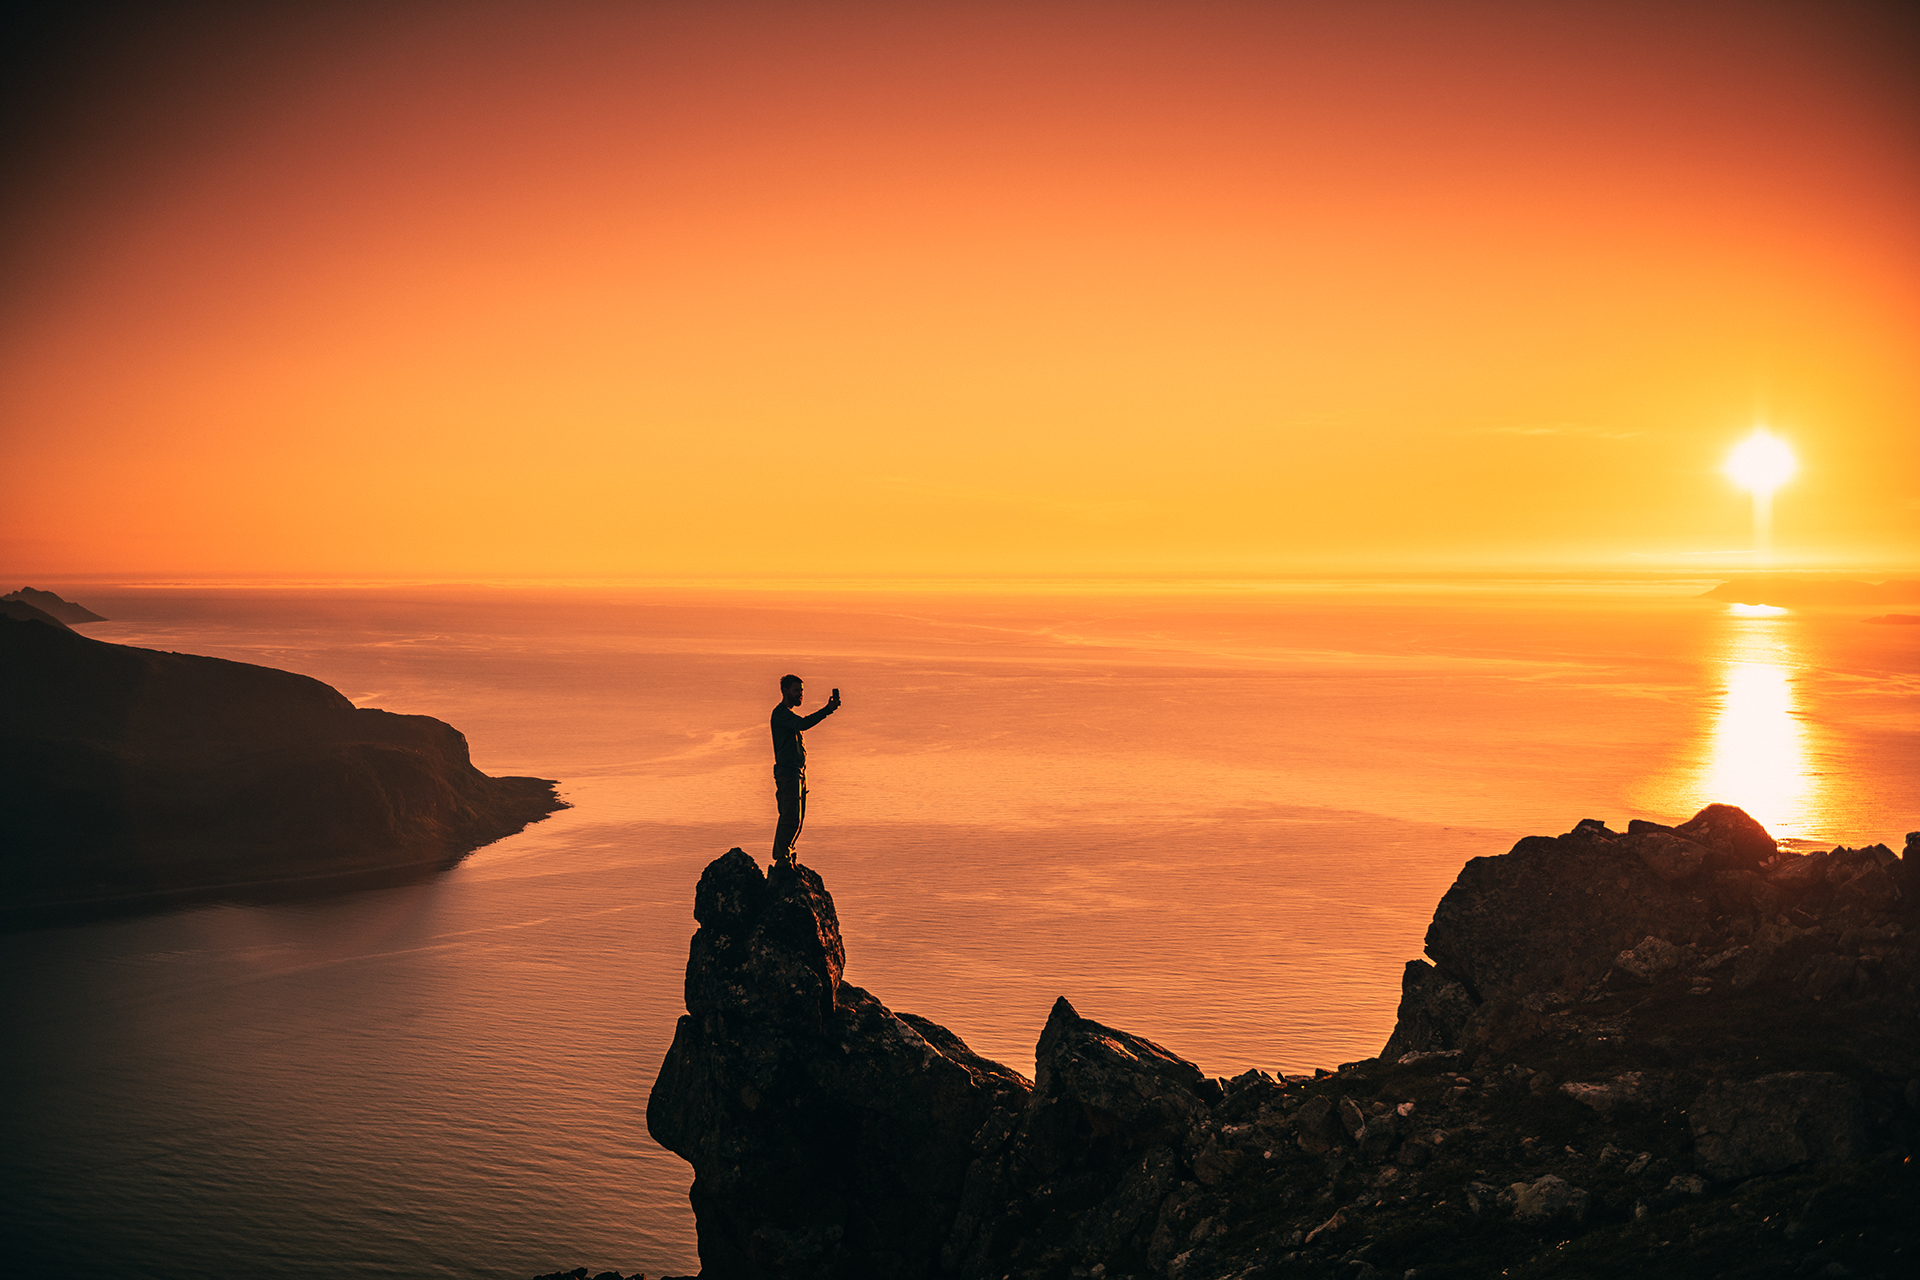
point(1670, 1051)
point(131, 778)
point(1787, 589)
point(49, 604)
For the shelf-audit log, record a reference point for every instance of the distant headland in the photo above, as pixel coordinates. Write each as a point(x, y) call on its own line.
point(1805, 590)
point(29, 604)
point(1669, 1051)
point(132, 778)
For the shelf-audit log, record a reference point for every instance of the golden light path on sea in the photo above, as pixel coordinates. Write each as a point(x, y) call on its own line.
point(1759, 754)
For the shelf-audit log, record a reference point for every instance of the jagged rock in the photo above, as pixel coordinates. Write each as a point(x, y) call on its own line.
point(1667, 855)
point(1317, 1128)
point(1625, 1091)
point(1550, 1199)
point(1777, 1122)
point(1551, 915)
point(828, 1135)
point(1871, 889)
point(1376, 1136)
point(1434, 1010)
point(1215, 1163)
point(1094, 1153)
point(1742, 891)
point(1690, 1185)
point(1740, 842)
point(1797, 875)
point(1152, 1095)
point(1653, 957)
point(828, 1139)
point(1352, 1119)
point(1826, 976)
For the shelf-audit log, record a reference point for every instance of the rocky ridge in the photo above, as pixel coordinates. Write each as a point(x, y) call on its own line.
point(1671, 1050)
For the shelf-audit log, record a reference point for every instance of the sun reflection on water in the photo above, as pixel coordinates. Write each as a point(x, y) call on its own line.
point(1759, 754)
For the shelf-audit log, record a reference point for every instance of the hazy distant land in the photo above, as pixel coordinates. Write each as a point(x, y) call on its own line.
point(1795, 589)
point(130, 776)
point(49, 605)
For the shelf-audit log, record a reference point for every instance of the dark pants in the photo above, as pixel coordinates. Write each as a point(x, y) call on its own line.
point(790, 793)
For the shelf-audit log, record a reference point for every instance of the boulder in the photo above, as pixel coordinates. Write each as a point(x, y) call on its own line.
point(1150, 1094)
point(1647, 961)
point(829, 1136)
point(1797, 875)
point(1552, 914)
point(1377, 1135)
point(1317, 1127)
point(1352, 1118)
point(1736, 840)
point(1550, 1199)
point(1871, 889)
point(1741, 1129)
point(1624, 1092)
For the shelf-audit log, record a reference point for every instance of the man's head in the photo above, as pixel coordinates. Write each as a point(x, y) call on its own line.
point(790, 691)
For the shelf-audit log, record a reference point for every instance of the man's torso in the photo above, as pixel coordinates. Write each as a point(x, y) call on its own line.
point(789, 751)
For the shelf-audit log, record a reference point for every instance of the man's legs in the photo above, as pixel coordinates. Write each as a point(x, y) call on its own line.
point(790, 794)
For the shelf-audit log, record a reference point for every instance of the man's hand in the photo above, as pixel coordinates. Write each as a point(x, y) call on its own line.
point(833, 699)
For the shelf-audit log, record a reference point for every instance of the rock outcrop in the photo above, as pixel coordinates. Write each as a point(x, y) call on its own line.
point(130, 776)
point(829, 1136)
point(1673, 1048)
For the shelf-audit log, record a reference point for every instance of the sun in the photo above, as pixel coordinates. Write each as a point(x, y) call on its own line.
point(1761, 463)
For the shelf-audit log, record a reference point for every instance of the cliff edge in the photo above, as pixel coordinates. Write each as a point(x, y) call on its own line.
point(1674, 1051)
point(130, 776)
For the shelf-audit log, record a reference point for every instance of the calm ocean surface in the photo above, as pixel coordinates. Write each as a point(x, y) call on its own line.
point(1221, 821)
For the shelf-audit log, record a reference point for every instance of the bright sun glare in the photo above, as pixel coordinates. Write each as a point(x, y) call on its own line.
point(1761, 463)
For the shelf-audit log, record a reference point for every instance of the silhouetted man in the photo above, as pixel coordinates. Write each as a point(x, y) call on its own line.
point(790, 765)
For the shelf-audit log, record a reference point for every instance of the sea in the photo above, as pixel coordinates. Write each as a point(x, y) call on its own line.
point(1216, 815)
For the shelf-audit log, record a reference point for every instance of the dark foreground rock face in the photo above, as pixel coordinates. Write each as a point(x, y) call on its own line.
point(130, 775)
point(829, 1136)
point(1701, 1059)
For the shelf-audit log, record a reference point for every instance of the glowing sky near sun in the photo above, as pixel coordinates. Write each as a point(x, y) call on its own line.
point(638, 289)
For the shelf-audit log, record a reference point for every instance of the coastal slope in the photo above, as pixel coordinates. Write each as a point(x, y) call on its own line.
point(1671, 1051)
point(131, 776)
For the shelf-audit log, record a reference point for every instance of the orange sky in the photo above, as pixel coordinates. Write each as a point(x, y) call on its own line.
point(623, 289)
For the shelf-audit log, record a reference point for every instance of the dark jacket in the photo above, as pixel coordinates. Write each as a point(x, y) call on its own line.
point(789, 752)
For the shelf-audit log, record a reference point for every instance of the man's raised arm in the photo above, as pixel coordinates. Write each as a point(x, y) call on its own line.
point(833, 705)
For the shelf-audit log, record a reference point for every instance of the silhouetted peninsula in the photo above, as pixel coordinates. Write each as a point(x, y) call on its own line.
point(131, 777)
point(1670, 1051)
point(53, 606)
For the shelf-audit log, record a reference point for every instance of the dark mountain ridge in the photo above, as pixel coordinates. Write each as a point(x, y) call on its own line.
point(130, 776)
